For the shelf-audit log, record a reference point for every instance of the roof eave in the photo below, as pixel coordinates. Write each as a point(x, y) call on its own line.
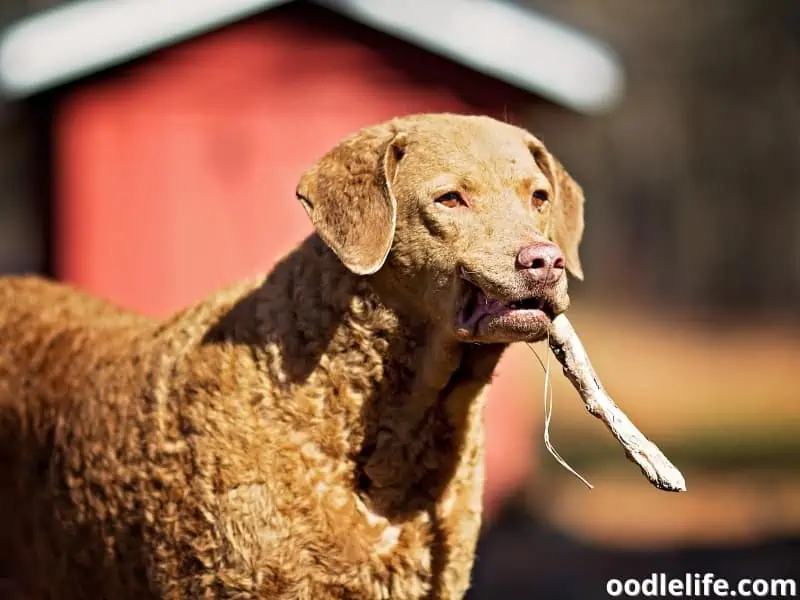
point(73, 40)
point(502, 40)
point(513, 44)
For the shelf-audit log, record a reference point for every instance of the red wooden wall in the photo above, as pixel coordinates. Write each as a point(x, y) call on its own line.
point(176, 175)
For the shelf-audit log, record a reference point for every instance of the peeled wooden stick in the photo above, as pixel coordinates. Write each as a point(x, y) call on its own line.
point(569, 351)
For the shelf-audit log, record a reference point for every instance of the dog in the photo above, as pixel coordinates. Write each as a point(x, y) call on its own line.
point(314, 433)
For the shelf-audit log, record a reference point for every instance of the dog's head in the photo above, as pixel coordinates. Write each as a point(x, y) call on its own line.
point(468, 220)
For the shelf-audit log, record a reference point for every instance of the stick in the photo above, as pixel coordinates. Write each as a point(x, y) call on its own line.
point(569, 351)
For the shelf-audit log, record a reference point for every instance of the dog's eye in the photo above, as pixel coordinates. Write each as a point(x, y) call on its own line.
point(451, 200)
point(540, 198)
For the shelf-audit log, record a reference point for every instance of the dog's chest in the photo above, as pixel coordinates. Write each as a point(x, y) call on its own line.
point(305, 532)
point(330, 544)
point(296, 521)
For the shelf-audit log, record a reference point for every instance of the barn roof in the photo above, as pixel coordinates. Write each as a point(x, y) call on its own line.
point(503, 40)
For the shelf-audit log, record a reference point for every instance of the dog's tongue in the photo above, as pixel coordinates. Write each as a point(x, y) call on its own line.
point(488, 305)
point(479, 307)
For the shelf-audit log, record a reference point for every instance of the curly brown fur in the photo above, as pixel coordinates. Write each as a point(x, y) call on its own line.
point(313, 434)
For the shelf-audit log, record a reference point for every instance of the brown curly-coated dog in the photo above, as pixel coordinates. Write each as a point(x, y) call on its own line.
point(312, 434)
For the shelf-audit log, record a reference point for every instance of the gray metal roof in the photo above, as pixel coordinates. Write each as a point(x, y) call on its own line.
point(500, 39)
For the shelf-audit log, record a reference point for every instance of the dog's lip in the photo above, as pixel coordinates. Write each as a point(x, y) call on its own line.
point(480, 307)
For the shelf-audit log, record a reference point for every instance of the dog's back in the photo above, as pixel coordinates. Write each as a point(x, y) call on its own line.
point(51, 336)
point(53, 341)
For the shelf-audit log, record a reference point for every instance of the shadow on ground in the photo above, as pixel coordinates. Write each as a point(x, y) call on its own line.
point(520, 557)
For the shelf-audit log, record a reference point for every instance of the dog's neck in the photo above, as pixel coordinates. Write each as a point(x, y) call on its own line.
point(406, 391)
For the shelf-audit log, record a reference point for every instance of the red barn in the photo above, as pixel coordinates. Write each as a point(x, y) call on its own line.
point(180, 128)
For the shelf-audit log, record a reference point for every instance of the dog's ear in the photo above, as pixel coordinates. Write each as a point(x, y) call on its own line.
point(566, 225)
point(348, 197)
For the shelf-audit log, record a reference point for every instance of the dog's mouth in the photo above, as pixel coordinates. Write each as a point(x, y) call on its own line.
point(485, 318)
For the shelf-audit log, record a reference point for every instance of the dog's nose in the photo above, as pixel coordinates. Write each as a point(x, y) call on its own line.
point(543, 261)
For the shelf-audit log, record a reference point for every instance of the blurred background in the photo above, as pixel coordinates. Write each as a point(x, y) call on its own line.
point(149, 153)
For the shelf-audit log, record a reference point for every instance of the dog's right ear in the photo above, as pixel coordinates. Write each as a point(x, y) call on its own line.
point(567, 213)
point(348, 197)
